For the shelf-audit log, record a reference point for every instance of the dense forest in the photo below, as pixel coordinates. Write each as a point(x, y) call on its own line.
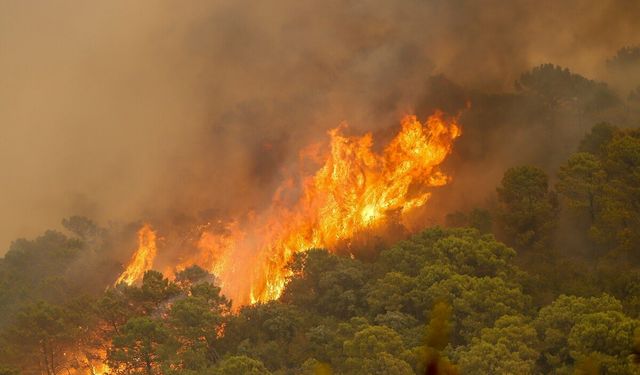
point(543, 278)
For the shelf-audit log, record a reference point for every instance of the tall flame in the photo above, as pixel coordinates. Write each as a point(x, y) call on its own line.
point(142, 259)
point(353, 190)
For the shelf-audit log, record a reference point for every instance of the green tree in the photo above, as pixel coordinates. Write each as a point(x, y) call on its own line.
point(608, 337)
point(477, 302)
point(375, 350)
point(581, 182)
point(154, 292)
point(326, 283)
point(382, 364)
point(464, 251)
point(620, 216)
point(190, 276)
point(43, 332)
point(555, 322)
point(477, 218)
point(597, 138)
point(114, 307)
point(196, 322)
point(390, 293)
point(239, 365)
point(509, 347)
point(272, 332)
point(527, 210)
point(561, 87)
point(142, 347)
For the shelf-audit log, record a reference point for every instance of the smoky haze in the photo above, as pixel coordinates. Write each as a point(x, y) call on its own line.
point(126, 111)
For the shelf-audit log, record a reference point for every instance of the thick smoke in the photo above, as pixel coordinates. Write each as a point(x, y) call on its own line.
point(186, 111)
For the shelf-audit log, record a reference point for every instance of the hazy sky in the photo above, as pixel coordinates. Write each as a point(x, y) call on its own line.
point(120, 110)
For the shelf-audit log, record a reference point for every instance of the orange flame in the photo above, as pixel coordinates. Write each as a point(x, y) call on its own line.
point(354, 190)
point(142, 259)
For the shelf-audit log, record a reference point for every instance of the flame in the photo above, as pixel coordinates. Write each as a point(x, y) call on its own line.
point(353, 190)
point(142, 259)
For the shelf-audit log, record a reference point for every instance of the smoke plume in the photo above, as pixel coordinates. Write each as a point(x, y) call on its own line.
point(186, 111)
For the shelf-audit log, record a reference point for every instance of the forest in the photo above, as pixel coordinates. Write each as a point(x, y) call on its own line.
point(357, 187)
point(543, 278)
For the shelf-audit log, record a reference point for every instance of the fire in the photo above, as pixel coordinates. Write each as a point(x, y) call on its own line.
point(142, 259)
point(353, 190)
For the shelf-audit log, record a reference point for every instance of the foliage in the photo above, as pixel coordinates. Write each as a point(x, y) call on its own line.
point(528, 209)
point(442, 301)
point(561, 87)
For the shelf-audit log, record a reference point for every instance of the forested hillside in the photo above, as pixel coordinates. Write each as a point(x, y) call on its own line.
point(563, 296)
point(538, 272)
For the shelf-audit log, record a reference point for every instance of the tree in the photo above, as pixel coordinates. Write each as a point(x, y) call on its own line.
point(83, 227)
point(597, 138)
point(43, 332)
point(477, 218)
point(527, 210)
point(477, 302)
point(556, 321)
point(381, 364)
point(190, 276)
point(154, 291)
point(196, 322)
point(509, 347)
point(141, 348)
point(561, 87)
point(464, 251)
point(330, 284)
point(620, 214)
point(390, 293)
point(375, 350)
point(240, 365)
point(607, 336)
point(272, 332)
point(581, 183)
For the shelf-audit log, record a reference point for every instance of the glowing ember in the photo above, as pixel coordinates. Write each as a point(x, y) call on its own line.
point(353, 190)
point(142, 259)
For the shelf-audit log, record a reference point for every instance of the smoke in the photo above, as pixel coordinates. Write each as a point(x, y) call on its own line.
point(126, 110)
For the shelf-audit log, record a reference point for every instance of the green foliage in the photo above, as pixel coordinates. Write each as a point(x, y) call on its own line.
point(555, 323)
point(581, 185)
point(144, 344)
point(330, 284)
point(43, 332)
point(601, 185)
point(477, 218)
point(348, 316)
point(464, 251)
point(621, 208)
point(509, 347)
point(597, 138)
point(375, 350)
point(528, 210)
point(607, 336)
point(195, 322)
point(191, 276)
point(561, 87)
point(477, 302)
point(239, 365)
point(8, 371)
